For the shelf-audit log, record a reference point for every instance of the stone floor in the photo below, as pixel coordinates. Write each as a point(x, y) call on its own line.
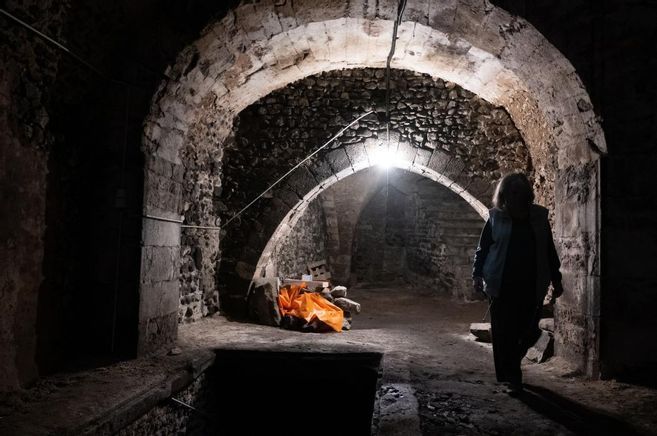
point(436, 378)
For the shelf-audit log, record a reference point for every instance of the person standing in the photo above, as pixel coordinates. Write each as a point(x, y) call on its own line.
point(514, 264)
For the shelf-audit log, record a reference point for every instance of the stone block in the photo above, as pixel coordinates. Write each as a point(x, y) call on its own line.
point(162, 192)
point(262, 301)
point(157, 333)
point(347, 305)
point(453, 169)
point(439, 161)
point(357, 155)
point(159, 264)
point(422, 157)
point(301, 181)
point(158, 299)
point(371, 149)
point(160, 233)
point(481, 330)
point(169, 145)
point(338, 160)
point(543, 349)
point(320, 168)
point(547, 324)
point(288, 197)
point(405, 153)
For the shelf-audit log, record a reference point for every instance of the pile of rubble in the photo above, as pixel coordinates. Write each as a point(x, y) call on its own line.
point(265, 305)
point(541, 351)
point(338, 296)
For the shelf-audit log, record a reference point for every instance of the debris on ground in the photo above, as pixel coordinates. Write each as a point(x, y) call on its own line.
point(481, 330)
point(339, 291)
point(304, 303)
point(543, 349)
point(319, 270)
point(296, 301)
point(262, 301)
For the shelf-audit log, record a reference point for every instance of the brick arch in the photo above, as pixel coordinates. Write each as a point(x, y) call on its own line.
point(260, 47)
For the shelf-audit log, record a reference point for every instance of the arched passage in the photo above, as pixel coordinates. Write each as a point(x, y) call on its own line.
point(435, 127)
point(266, 266)
point(261, 47)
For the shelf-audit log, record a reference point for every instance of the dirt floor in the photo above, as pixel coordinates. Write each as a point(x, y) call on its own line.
point(436, 379)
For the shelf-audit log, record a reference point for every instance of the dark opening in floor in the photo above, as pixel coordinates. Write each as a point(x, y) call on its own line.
point(256, 392)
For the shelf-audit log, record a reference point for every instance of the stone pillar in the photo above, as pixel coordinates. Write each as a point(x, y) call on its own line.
point(159, 290)
point(577, 232)
point(22, 226)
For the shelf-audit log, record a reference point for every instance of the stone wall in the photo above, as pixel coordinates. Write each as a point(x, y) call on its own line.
point(260, 47)
point(169, 418)
point(343, 203)
point(608, 44)
point(443, 233)
point(424, 235)
point(305, 244)
point(71, 142)
point(28, 67)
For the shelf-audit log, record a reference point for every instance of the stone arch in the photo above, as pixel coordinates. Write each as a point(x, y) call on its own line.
point(257, 48)
point(266, 267)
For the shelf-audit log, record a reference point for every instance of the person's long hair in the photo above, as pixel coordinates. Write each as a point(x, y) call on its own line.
point(500, 196)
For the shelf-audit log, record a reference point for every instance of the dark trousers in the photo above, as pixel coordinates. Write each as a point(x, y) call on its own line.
point(514, 327)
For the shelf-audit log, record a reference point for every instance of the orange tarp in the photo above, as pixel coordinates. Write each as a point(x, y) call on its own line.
point(308, 306)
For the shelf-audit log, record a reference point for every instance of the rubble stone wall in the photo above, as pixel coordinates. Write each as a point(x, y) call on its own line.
point(443, 232)
point(343, 203)
point(424, 234)
point(305, 244)
point(28, 67)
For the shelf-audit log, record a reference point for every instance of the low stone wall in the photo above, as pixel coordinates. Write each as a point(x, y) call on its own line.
point(171, 418)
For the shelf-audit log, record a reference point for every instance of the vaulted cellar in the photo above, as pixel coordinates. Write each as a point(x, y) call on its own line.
point(159, 158)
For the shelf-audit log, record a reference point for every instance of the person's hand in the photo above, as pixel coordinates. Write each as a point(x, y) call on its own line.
point(478, 284)
point(557, 291)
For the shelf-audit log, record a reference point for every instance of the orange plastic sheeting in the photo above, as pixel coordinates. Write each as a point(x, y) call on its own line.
point(308, 306)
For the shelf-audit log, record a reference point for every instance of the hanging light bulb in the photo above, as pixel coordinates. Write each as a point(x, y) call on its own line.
point(385, 157)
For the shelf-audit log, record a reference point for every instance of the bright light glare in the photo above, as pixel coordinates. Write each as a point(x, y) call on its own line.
point(385, 158)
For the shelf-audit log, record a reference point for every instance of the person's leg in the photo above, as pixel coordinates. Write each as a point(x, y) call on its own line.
point(522, 319)
point(504, 349)
point(517, 321)
point(531, 330)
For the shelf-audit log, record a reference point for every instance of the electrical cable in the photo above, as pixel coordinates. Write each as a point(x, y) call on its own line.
point(400, 12)
point(297, 166)
point(68, 51)
point(189, 226)
point(393, 45)
point(192, 408)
